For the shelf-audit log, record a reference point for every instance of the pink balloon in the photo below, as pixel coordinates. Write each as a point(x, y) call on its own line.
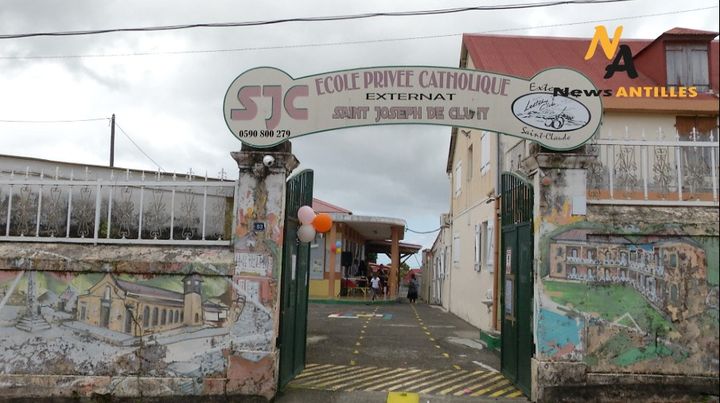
point(306, 215)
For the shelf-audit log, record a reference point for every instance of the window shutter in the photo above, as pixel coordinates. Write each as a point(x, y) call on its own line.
point(485, 153)
point(478, 246)
point(458, 179)
point(490, 246)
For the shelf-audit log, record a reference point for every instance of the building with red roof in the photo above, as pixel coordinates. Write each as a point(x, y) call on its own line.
point(657, 145)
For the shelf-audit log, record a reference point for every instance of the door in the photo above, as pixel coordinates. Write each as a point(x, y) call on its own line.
point(517, 280)
point(105, 313)
point(294, 281)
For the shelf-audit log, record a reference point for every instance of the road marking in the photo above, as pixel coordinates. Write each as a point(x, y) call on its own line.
point(446, 355)
point(394, 379)
point(415, 384)
point(457, 367)
point(489, 368)
point(412, 380)
point(384, 374)
point(318, 370)
point(501, 391)
point(339, 377)
point(460, 385)
point(355, 377)
point(484, 391)
point(469, 375)
point(471, 389)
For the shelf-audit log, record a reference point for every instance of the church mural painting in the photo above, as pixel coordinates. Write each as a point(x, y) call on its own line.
point(629, 303)
point(120, 324)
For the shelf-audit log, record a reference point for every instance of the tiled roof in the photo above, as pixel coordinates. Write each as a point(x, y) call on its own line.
point(525, 56)
point(321, 206)
point(147, 290)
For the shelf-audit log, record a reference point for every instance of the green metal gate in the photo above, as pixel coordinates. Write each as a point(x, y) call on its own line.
point(517, 280)
point(294, 281)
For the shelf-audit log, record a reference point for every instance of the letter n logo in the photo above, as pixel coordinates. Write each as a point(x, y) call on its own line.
point(609, 48)
point(601, 37)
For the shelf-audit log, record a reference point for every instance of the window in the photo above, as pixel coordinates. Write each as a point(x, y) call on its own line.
point(108, 290)
point(83, 312)
point(163, 317)
point(687, 65)
point(484, 153)
point(146, 317)
point(469, 160)
point(559, 268)
point(478, 246)
point(457, 178)
point(155, 317)
point(456, 250)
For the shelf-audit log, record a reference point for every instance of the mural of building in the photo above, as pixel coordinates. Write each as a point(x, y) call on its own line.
point(136, 309)
point(655, 269)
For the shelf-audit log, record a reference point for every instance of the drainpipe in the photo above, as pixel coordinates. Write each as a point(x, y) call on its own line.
point(497, 233)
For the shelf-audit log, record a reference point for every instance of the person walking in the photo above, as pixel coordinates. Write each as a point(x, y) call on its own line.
point(375, 286)
point(412, 289)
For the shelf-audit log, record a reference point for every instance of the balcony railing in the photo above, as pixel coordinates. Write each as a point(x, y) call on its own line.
point(144, 209)
point(655, 172)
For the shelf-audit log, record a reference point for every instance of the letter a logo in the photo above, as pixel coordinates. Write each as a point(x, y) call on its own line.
point(601, 37)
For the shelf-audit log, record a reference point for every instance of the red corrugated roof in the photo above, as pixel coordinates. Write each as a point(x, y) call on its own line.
point(525, 56)
point(321, 206)
point(688, 31)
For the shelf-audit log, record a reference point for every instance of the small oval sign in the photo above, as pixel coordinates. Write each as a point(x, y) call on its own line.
point(543, 110)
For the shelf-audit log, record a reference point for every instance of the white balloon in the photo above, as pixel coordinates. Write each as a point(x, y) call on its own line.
point(306, 215)
point(306, 233)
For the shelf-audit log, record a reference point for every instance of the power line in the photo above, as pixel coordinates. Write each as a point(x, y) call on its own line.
point(340, 43)
point(138, 147)
point(52, 121)
point(311, 19)
point(422, 232)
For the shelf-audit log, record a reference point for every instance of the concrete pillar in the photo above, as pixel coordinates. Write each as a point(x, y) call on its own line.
point(258, 246)
point(394, 261)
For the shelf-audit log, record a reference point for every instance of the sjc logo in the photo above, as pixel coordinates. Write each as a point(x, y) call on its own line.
point(624, 54)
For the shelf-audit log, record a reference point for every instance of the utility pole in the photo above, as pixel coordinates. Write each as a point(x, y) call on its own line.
point(112, 141)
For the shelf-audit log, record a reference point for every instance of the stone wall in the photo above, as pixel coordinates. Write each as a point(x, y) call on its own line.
point(80, 321)
point(626, 297)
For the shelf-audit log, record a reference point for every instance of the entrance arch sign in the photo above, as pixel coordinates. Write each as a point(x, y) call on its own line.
point(265, 106)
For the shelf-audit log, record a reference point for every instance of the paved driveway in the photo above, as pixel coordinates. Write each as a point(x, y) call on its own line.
point(398, 347)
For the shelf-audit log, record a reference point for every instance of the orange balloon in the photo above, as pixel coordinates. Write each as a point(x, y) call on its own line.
point(322, 222)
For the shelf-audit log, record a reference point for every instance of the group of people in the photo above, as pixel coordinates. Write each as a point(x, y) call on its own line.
point(412, 294)
point(378, 280)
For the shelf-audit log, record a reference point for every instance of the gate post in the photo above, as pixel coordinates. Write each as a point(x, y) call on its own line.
point(259, 211)
point(560, 187)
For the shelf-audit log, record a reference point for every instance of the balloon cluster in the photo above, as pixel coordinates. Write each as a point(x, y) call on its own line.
point(312, 223)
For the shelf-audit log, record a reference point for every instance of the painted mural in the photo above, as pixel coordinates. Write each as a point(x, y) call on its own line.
point(129, 324)
point(630, 303)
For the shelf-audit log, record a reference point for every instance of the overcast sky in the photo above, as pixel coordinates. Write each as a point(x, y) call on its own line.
point(171, 104)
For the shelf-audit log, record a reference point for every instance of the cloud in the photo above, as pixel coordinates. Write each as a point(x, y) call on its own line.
point(172, 104)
